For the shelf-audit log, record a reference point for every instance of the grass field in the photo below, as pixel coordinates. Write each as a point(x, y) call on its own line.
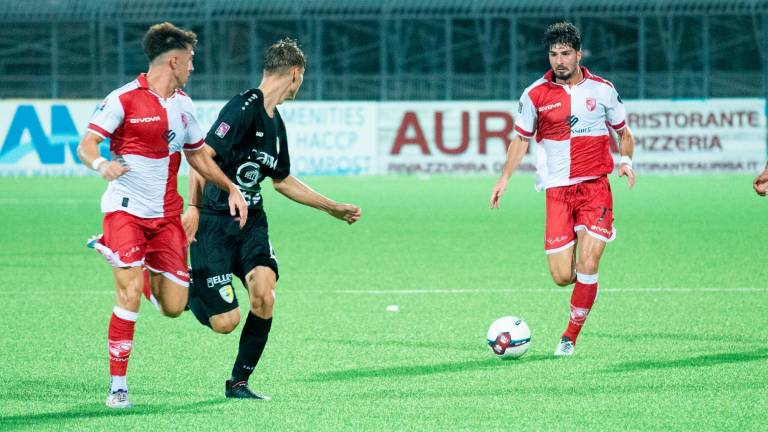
point(676, 340)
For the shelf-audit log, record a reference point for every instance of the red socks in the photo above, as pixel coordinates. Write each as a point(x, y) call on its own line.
point(120, 339)
point(582, 299)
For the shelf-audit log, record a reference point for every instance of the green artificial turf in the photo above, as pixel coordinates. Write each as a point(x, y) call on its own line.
point(676, 340)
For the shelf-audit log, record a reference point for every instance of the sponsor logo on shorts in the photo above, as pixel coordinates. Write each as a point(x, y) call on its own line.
point(130, 252)
point(182, 274)
point(600, 229)
point(227, 294)
point(554, 240)
point(259, 134)
point(222, 130)
point(219, 280)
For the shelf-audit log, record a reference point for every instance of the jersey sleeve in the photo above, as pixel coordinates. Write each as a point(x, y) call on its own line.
point(230, 128)
point(107, 117)
point(525, 123)
point(615, 113)
point(283, 168)
point(194, 140)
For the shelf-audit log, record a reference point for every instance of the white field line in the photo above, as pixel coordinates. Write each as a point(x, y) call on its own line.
point(538, 290)
point(476, 291)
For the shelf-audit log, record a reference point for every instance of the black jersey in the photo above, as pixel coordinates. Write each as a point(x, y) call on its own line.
point(250, 146)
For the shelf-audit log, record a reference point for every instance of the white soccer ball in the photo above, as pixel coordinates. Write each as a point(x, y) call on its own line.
point(509, 337)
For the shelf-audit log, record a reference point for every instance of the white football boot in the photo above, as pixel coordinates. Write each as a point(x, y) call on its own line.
point(119, 399)
point(565, 347)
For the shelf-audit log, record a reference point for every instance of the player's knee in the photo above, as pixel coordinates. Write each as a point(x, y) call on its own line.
point(587, 265)
point(224, 327)
point(172, 311)
point(225, 323)
point(262, 303)
point(562, 278)
point(130, 293)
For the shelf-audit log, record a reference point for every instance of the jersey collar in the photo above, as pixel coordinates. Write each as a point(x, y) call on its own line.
point(142, 80)
point(550, 76)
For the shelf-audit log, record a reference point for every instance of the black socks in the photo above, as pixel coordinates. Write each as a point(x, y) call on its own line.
point(252, 341)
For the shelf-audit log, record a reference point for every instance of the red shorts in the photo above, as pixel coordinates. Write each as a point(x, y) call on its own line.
point(159, 244)
point(584, 206)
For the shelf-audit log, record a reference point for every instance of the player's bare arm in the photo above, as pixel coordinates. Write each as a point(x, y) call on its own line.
point(515, 152)
point(760, 184)
point(294, 189)
point(627, 148)
point(202, 162)
point(191, 218)
point(88, 152)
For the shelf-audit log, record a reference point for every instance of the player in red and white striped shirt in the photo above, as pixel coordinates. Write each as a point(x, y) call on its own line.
point(149, 122)
point(568, 111)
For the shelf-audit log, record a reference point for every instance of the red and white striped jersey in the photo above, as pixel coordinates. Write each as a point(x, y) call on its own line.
point(147, 133)
point(570, 125)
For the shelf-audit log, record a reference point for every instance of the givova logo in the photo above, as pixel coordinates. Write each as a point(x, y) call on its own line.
point(25, 135)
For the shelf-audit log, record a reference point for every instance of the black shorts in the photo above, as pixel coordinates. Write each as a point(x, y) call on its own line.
point(223, 249)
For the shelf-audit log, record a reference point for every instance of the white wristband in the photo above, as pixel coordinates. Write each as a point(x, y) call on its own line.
point(625, 160)
point(97, 162)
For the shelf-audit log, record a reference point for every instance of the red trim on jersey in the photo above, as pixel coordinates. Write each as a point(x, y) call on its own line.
point(194, 146)
point(619, 126)
point(172, 202)
point(99, 131)
point(600, 80)
point(181, 92)
point(523, 132)
point(550, 76)
point(142, 80)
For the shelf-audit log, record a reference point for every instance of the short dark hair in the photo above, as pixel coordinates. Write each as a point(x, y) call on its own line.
point(562, 33)
point(282, 55)
point(164, 37)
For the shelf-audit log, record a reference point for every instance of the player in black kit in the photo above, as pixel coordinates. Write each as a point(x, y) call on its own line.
point(249, 143)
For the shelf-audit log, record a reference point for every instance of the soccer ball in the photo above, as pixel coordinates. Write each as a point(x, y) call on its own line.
point(509, 337)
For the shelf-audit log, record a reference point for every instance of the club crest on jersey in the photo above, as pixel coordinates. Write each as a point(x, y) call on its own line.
point(222, 130)
point(248, 174)
point(227, 294)
point(591, 104)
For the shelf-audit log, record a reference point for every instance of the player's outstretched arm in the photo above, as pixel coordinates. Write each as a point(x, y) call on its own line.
point(202, 161)
point(191, 218)
point(760, 184)
point(627, 148)
point(88, 152)
point(515, 152)
point(294, 189)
